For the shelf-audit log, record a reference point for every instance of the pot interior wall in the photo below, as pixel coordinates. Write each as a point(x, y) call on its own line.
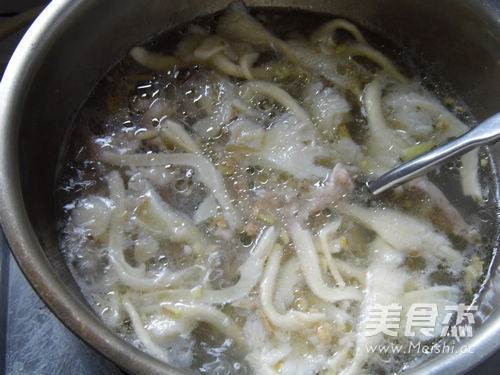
point(459, 42)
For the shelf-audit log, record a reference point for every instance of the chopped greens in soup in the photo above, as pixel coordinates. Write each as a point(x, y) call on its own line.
point(214, 210)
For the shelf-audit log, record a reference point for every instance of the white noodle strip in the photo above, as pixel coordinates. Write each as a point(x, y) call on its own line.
point(210, 177)
point(206, 210)
point(380, 133)
point(309, 263)
point(210, 315)
point(324, 33)
point(143, 282)
point(131, 276)
point(222, 63)
point(292, 320)
point(246, 62)
point(423, 294)
point(377, 57)
point(337, 361)
point(174, 225)
point(148, 300)
point(164, 327)
point(469, 171)
point(287, 281)
point(240, 107)
point(155, 61)
point(455, 126)
point(210, 47)
point(175, 132)
point(212, 50)
point(469, 175)
point(115, 242)
point(448, 215)
point(142, 333)
point(382, 142)
point(362, 342)
point(324, 235)
point(249, 271)
point(147, 134)
point(339, 315)
point(285, 50)
point(403, 232)
point(320, 63)
point(350, 271)
point(385, 285)
point(250, 89)
point(238, 24)
point(112, 311)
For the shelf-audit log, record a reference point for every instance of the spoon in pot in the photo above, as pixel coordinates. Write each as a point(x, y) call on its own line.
point(485, 133)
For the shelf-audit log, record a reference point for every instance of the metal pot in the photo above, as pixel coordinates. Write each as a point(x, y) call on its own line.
point(74, 42)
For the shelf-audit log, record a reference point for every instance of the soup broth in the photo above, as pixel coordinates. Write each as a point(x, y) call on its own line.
point(213, 208)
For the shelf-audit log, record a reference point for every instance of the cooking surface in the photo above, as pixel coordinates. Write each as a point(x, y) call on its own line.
point(32, 340)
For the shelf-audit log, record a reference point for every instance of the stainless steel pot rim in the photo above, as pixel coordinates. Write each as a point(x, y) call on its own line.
point(14, 219)
point(72, 312)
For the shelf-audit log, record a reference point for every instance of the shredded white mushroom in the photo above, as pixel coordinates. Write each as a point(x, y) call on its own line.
point(158, 217)
point(377, 57)
point(246, 62)
point(251, 89)
point(327, 248)
point(325, 32)
point(208, 174)
point(133, 277)
point(404, 232)
point(249, 271)
point(175, 132)
point(453, 128)
point(309, 263)
point(210, 47)
point(226, 66)
point(270, 245)
point(207, 209)
point(443, 211)
point(155, 61)
point(208, 314)
point(142, 333)
point(293, 320)
point(383, 144)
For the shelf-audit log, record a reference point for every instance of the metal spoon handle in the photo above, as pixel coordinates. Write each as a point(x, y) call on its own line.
point(485, 133)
